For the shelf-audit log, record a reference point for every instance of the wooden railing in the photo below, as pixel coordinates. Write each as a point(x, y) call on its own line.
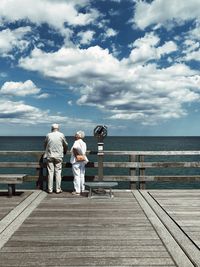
point(137, 163)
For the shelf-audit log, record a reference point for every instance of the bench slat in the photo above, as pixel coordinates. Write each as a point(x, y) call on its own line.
point(101, 184)
point(11, 180)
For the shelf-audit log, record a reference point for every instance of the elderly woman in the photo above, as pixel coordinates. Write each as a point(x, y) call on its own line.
point(78, 161)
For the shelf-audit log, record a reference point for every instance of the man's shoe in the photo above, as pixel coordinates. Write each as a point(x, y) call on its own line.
point(50, 192)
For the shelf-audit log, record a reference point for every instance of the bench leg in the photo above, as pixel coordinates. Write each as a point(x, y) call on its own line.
point(11, 190)
point(110, 192)
point(90, 193)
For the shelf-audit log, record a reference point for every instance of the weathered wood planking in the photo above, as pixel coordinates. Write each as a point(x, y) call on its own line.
point(8, 204)
point(136, 164)
point(183, 207)
point(77, 231)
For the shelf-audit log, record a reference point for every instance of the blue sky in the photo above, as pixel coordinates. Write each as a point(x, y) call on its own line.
point(131, 65)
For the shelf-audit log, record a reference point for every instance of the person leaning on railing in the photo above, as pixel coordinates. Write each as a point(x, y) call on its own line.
point(78, 161)
point(55, 146)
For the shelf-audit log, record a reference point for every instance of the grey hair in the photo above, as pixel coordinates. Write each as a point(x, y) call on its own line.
point(55, 126)
point(81, 134)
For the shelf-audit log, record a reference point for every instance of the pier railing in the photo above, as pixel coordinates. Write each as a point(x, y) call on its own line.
point(136, 163)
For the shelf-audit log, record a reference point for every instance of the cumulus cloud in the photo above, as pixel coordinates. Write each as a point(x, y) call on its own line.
point(19, 88)
point(56, 13)
point(147, 48)
point(18, 112)
point(10, 39)
point(191, 44)
point(175, 11)
point(152, 83)
point(125, 90)
point(193, 55)
point(71, 64)
point(110, 33)
point(86, 37)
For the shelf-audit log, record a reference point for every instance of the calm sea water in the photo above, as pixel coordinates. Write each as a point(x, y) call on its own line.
point(119, 143)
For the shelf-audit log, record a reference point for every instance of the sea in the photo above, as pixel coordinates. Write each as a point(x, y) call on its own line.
point(114, 143)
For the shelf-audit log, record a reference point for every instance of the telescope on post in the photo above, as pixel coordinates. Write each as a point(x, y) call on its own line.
point(100, 132)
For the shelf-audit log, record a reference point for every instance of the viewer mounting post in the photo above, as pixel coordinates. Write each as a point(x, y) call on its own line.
point(100, 132)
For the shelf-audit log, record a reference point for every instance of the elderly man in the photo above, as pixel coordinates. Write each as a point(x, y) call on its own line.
point(56, 146)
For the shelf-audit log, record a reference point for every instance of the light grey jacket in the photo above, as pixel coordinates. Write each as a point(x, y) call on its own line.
point(55, 145)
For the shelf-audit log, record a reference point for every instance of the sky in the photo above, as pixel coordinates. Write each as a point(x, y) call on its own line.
point(131, 65)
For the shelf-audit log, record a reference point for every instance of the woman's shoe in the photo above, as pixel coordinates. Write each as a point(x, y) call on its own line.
point(58, 192)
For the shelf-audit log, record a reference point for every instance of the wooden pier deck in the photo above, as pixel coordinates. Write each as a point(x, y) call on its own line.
point(135, 228)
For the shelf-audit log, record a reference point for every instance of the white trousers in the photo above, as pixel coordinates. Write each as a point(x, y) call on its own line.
point(78, 170)
point(54, 166)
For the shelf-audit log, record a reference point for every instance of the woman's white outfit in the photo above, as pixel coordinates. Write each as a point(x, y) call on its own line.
point(78, 167)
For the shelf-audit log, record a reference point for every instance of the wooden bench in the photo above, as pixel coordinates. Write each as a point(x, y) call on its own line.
point(100, 186)
point(11, 180)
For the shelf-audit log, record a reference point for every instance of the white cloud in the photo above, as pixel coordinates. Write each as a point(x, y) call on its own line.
point(56, 13)
point(167, 48)
point(86, 37)
point(195, 55)
point(162, 12)
point(147, 48)
point(19, 88)
point(71, 64)
point(110, 33)
point(42, 96)
point(191, 44)
point(70, 102)
point(19, 113)
point(146, 93)
point(144, 48)
point(3, 75)
point(10, 39)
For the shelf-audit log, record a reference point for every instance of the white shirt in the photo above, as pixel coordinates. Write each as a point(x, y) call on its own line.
point(81, 148)
point(55, 143)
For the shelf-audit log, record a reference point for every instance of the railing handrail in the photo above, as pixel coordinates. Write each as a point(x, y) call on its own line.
point(114, 153)
point(136, 164)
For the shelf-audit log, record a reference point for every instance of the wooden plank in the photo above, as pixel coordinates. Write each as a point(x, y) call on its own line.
point(15, 218)
point(134, 165)
point(183, 207)
point(148, 178)
point(152, 153)
point(12, 178)
point(173, 247)
point(185, 243)
point(86, 261)
point(85, 248)
point(8, 204)
point(114, 153)
point(69, 231)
